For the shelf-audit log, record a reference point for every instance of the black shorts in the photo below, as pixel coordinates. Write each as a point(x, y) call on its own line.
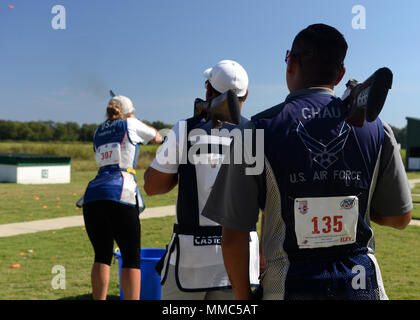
point(106, 221)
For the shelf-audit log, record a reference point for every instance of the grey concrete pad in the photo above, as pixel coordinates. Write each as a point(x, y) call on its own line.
point(158, 212)
point(413, 182)
point(13, 229)
point(415, 223)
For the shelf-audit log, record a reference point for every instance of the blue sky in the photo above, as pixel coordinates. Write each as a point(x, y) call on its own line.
point(156, 51)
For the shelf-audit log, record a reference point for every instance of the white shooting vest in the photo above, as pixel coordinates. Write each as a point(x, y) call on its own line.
point(195, 247)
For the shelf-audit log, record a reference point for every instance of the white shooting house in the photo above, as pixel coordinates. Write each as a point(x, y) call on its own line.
point(34, 168)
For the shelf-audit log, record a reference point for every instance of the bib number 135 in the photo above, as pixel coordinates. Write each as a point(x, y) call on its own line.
point(326, 222)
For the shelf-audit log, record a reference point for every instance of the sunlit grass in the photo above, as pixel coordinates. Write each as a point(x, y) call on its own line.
point(36, 254)
point(34, 202)
point(81, 153)
point(397, 254)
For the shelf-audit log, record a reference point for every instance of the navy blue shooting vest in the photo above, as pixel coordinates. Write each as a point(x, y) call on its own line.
point(108, 183)
point(314, 153)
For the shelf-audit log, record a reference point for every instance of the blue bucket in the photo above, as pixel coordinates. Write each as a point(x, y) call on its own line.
point(151, 288)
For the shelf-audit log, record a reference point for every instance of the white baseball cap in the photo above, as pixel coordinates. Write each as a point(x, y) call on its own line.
point(228, 74)
point(126, 104)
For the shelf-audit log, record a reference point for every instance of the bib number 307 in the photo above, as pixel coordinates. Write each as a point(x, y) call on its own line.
point(326, 222)
point(108, 154)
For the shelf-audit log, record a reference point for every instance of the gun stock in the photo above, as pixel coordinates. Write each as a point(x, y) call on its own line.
point(223, 108)
point(366, 100)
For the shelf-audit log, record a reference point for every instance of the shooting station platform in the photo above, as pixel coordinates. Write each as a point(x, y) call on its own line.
point(413, 144)
point(34, 168)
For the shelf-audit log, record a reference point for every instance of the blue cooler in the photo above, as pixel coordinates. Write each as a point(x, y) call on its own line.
point(150, 280)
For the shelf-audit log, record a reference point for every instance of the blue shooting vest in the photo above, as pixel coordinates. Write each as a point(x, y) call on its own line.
point(113, 182)
point(314, 153)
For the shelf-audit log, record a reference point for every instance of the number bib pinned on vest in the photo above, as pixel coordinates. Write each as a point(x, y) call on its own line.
point(108, 154)
point(326, 222)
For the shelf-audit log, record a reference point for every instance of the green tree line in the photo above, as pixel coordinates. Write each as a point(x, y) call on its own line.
point(72, 131)
point(54, 131)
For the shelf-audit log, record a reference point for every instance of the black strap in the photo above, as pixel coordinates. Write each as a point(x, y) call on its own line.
point(187, 204)
point(200, 231)
point(159, 265)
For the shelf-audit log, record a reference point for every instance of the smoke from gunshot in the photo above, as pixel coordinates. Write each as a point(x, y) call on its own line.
point(97, 86)
point(91, 84)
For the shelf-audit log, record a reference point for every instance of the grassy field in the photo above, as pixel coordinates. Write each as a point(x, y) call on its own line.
point(34, 202)
point(416, 201)
point(416, 189)
point(38, 253)
point(81, 154)
point(397, 254)
point(397, 251)
point(416, 194)
point(413, 175)
point(416, 211)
